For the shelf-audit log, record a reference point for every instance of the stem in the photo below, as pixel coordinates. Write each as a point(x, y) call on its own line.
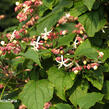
point(4, 89)
point(77, 64)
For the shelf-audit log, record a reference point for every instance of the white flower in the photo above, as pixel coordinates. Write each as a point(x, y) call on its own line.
point(13, 35)
point(36, 44)
point(75, 44)
point(44, 35)
point(17, 3)
point(2, 42)
point(67, 15)
point(62, 62)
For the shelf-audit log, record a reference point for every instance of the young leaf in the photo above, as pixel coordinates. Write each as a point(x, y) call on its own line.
point(89, 3)
point(89, 100)
point(6, 105)
point(96, 78)
point(61, 80)
point(36, 93)
point(85, 49)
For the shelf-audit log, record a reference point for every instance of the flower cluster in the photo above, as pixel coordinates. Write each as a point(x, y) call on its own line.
point(45, 40)
point(27, 8)
point(7, 48)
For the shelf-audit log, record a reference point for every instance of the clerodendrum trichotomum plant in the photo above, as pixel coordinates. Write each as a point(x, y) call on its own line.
point(57, 56)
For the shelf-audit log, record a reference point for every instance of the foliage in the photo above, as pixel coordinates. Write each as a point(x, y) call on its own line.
point(57, 57)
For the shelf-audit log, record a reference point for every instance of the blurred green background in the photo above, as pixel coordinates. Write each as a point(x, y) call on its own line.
point(7, 10)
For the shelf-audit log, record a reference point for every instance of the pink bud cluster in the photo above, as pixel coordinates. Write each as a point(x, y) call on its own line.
point(45, 40)
point(80, 29)
point(5, 70)
point(12, 46)
point(31, 22)
point(27, 8)
point(67, 18)
point(16, 34)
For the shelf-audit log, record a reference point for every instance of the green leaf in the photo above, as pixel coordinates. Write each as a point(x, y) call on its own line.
point(45, 54)
point(33, 55)
point(36, 93)
point(42, 10)
point(16, 61)
point(6, 105)
point(32, 32)
point(85, 49)
point(96, 78)
point(65, 40)
point(89, 3)
point(93, 22)
point(61, 106)
point(106, 67)
point(49, 21)
point(78, 9)
point(106, 90)
point(61, 80)
point(89, 100)
point(63, 4)
point(48, 3)
point(79, 91)
point(68, 26)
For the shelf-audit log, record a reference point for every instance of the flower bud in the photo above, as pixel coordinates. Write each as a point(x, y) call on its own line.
point(95, 67)
point(0, 52)
point(101, 54)
point(14, 41)
point(76, 72)
point(88, 67)
point(61, 52)
point(45, 38)
point(84, 62)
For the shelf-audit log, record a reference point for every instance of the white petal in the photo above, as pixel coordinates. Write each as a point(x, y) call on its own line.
point(45, 29)
point(38, 38)
point(66, 60)
point(61, 57)
point(58, 62)
point(60, 66)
